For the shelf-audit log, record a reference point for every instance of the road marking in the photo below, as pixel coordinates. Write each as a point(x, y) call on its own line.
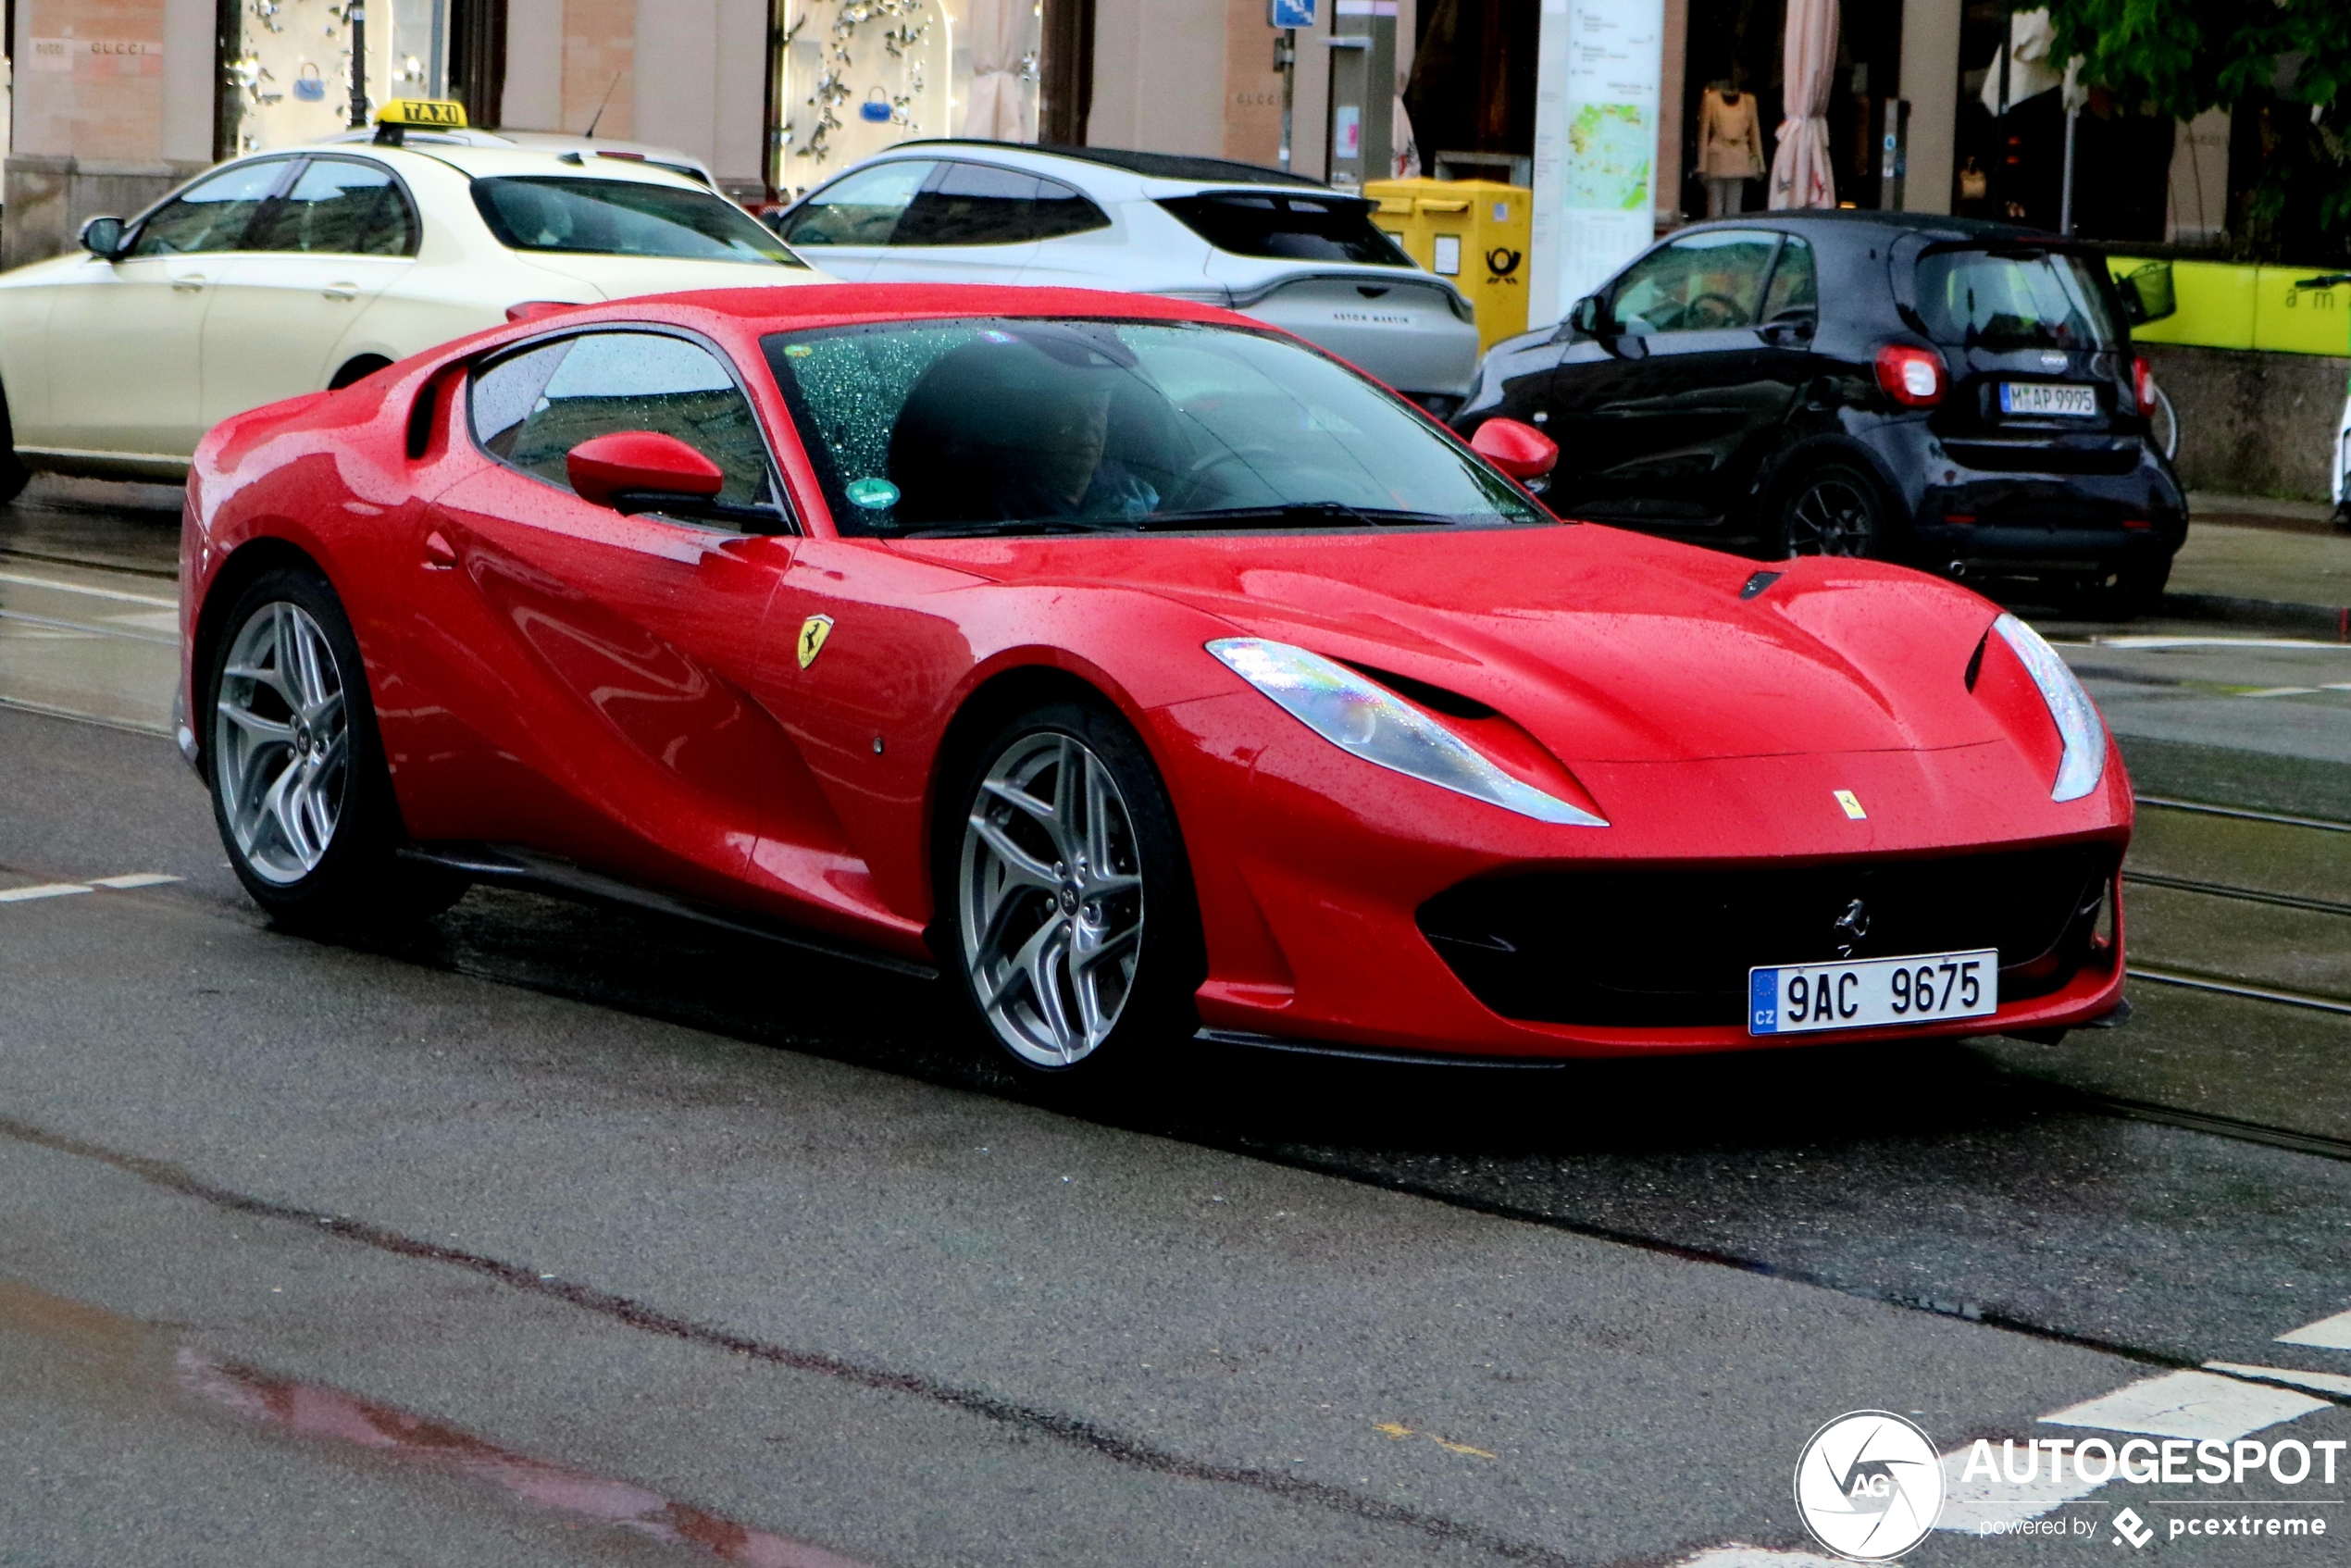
point(2217, 642)
point(22, 618)
point(2328, 1333)
point(2280, 692)
point(1738, 1555)
point(2320, 1382)
point(54, 586)
point(2194, 1405)
point(43, 890)
point(134, 879)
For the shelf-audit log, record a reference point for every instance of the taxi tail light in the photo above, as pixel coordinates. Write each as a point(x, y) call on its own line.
point(531, 310)
point(1911, 376)
point(2143, 386)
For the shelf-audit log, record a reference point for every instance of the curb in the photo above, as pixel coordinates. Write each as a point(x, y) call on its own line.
point(2311, 620)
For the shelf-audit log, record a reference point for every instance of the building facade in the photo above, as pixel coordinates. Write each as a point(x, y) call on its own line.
point(116, 101)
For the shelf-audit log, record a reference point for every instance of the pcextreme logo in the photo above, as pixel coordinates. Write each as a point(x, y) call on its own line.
point(1869, 1485)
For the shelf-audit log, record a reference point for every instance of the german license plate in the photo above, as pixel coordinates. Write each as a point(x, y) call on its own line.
point(1872, 993)
point(2041, 398)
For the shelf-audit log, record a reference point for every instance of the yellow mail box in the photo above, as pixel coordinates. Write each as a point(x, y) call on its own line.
point(1472, 232)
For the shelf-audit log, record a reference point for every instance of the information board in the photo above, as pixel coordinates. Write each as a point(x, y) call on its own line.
point(1597, 69)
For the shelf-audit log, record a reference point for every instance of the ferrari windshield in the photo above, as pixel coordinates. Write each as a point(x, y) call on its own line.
point(1017, 425)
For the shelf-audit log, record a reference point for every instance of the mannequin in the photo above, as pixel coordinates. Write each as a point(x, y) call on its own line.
point(1730, 146)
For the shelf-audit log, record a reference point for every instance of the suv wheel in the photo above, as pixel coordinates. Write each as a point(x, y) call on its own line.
point(1833, 510)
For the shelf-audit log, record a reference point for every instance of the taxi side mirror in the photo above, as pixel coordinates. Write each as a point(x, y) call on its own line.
point(1517, 448)
point(102, 237)
point(640, 471)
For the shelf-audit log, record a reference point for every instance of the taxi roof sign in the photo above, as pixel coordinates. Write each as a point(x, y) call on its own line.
point(445, 114)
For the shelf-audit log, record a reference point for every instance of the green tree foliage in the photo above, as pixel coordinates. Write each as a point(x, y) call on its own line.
point(2285, 63)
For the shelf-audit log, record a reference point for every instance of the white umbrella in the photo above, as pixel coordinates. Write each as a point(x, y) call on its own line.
point(1800, 173)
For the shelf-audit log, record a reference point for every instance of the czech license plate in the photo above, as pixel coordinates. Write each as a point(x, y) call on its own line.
point(1872, 993)
point(2041, 398)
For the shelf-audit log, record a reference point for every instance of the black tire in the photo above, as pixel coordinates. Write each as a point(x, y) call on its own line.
point(14, 475)
point(358, 369)
point(2122, 595)
point(327, 857)
point(987, 915)
point(1834, 509)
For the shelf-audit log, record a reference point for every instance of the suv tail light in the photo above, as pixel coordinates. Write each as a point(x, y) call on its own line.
point(2143, 385)
point(1911, 376)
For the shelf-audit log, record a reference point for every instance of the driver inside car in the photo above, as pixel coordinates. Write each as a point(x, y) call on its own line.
point(1015, 430)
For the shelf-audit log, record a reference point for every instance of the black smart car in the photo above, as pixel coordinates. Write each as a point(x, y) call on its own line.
point(1955, 395)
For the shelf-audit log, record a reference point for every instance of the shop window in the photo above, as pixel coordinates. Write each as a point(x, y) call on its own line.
point(287, 68)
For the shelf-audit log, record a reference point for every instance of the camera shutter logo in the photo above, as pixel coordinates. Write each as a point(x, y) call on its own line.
point(1870, 1486)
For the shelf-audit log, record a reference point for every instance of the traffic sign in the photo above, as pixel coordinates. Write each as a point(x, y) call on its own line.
point(1289, 13)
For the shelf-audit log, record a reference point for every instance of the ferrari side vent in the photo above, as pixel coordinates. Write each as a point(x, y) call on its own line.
point(1757, 583)
point(421, 414)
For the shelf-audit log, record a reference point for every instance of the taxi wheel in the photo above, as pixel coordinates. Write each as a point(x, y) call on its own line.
point(1066, 906)
point(299, 788)
point(14, 475)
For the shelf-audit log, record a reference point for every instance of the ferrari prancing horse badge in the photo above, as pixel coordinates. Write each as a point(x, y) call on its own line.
point(812, 633)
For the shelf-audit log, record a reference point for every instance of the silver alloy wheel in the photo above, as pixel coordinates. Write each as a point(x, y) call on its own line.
point(281, 742)
point(1832, 517)
point(1050, 895)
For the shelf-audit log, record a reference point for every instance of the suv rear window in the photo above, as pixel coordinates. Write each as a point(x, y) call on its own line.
point(2015, 299)
point(623, 217)
point(1299, 227)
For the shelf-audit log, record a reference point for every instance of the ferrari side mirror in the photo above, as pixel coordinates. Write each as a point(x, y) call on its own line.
point(1517, 448)
point(102, 237)
point(636, 470)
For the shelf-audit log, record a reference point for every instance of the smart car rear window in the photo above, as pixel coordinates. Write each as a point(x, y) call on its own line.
point(1293, 228)
point(2015, 299)
point(623, 217)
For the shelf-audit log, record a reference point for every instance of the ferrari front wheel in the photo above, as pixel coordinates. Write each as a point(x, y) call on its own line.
point(299, 788)
point(1070, 922)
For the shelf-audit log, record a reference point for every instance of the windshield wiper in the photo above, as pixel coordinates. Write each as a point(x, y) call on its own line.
point(1299, 514)
point(1009, 526)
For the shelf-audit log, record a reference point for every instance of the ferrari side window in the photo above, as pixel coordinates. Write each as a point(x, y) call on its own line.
point(211, 216)
point(530, 409)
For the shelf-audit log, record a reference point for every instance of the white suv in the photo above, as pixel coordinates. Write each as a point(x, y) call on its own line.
point(1288, 251)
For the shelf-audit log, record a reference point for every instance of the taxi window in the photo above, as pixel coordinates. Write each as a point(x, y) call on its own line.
point(623, 217)
point(212, 215)
point(340, 208)
point(1703, 283)
point(530, 409)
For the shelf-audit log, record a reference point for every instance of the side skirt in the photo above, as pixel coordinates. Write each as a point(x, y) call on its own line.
point(508, 866)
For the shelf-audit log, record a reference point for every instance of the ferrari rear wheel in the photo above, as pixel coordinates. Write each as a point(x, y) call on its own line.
point(1071, 922)
point(299, 788)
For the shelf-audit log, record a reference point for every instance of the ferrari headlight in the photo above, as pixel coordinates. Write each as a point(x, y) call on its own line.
point(1359, 715)
point(2077, 718)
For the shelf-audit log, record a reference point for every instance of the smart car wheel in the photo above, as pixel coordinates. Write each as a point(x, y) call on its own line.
point(1071, 920)
point(299, 789)
point(1833, 510)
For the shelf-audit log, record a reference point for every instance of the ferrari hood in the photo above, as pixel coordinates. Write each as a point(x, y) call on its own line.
point(1606, 646)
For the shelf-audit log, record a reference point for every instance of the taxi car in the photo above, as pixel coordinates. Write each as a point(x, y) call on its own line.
point(304, 268)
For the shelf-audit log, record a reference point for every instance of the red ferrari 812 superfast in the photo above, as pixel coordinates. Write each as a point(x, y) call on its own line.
point(1151, 673)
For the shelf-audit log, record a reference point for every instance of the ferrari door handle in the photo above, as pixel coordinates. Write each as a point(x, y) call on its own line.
point(341, 290)
point(187, 283)
point(439, 555)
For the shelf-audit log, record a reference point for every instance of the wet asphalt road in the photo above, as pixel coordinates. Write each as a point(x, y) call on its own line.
point(552, 1233)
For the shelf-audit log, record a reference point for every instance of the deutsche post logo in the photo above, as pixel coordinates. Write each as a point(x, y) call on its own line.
point(1501, 261)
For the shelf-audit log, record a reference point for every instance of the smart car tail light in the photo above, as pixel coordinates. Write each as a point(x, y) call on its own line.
point(2078, 725)
point(1911, 376)
point(1356, 715)
point(2143, 385)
